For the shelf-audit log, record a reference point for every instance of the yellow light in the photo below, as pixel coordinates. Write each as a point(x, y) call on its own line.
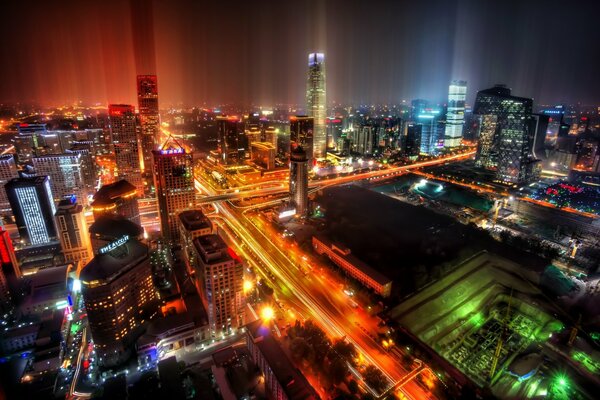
point(248, 286)
point(267, 314)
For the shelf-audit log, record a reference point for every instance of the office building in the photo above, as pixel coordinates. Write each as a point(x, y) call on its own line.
point(220, 273)
point(118, 198)
point(119, 298)
point(88, 164)
point(174, 182)
point(192, 224)
point(412, 146)
point(253, 134)
point(9, 274)
point(8, 171)
point(316, 104)
point(65, 175)
point(29, 139)
point(33, 207)
point(231, 141)
point(299, 180)
point(73, 231)
point(506, 136)
point(283, 381)
point(271, 136)
point(455, 116)
point(123, 127)
point(302, 134)
point(432, 131)
point(263, 155)
point(357, 269)
point(147, 92)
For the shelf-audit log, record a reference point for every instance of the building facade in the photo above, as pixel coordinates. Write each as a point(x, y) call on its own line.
point(174, 182)
point(119, 298)
point(8, 171)
point(299, 180)
point(220, 277)
point(506, 136)
point(231, 141)
point(118, 198)
point(316, 103)
point(73, 231)
point(65, 172)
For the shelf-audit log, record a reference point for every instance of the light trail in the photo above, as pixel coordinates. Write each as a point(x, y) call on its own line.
point(72, 390)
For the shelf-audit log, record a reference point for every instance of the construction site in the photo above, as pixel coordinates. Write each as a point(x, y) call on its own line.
point(490, 320)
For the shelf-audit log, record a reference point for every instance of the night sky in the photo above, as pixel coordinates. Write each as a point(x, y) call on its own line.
point(255, 52)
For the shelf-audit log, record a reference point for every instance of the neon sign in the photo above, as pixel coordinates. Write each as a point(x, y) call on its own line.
point(113, 245)
point(172, 151)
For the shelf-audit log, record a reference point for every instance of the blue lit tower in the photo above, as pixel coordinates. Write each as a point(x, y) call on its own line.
point(455, 116)
point(33, 208)
point(316, 102)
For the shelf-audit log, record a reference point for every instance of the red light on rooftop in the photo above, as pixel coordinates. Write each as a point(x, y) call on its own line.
point(23, 125)
point(234, 255)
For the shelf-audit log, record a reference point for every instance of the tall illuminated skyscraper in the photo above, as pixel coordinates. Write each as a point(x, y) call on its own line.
point(174, 182)
point(123, 126)
point(147, 92)
point(316, 103)
point(33, 208)
point(299, 179)
point(455, 116)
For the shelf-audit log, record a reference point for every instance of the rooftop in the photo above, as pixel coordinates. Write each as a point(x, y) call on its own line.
point(294, 384)
point(108, 193)
point(212, 249)
point(194, 220)
point(115, 226)
point(112, 263)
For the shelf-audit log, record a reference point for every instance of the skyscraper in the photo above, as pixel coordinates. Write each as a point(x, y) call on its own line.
point(220, 275)
point(119, 298)
point(299, 179)
point(174, 182)
point(8, 171)
point(88, 164)
point(302, 133)
point(432, 131)
point(316, 103)
point(33, 208)
point(123, 126)
point(232, 142)
point(65, 175)
point(455, 116)
point(147, 92)
point(506, 136)
point(73, 232)
point(412, 146)
point(9, 273)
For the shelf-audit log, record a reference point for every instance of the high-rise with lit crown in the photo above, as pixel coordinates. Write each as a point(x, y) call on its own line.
point(33, 208)
point(316, 103)
point(147, 92)
point(231, 141)
point(174, 182)
point(455, 116)
point(123, 126)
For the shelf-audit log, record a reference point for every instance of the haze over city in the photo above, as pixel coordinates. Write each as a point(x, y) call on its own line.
point(255, 52)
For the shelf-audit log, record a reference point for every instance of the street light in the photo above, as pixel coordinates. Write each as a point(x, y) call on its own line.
point(267, 314)
point(248, 286)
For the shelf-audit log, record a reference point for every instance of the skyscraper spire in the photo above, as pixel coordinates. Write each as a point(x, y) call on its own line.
point(316, 102)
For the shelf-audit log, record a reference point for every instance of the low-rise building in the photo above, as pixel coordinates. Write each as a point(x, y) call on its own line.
point(342, 257)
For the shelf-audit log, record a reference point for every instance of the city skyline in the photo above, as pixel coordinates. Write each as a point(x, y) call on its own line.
point(217, 63)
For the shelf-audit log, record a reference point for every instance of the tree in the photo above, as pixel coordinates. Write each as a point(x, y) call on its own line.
point(343, 349)
point(338, 371)
point(353, 386)
point(300, 349)
point(374, 378)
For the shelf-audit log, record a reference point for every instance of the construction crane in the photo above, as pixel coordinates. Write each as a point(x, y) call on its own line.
point(501, 339)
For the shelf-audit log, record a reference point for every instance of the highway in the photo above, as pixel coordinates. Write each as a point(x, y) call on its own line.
point(338, 180)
